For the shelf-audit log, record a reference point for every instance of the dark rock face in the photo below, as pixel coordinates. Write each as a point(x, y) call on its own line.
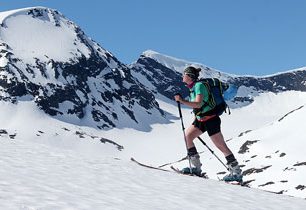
point(278, 83)
point(165, 81)
point(88, 82)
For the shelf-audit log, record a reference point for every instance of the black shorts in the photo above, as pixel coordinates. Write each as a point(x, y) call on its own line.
point(212, 126)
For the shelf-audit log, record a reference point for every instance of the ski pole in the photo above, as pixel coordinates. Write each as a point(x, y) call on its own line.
point(203, 142)
point(183, 128)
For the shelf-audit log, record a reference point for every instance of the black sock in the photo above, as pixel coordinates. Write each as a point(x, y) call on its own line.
point(192, 151)
point(230, 159)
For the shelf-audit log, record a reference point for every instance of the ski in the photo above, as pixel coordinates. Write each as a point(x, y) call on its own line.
point(175, 170)
point(203, 175)
point(178, 171)
point(241, 183)
point(148, 166)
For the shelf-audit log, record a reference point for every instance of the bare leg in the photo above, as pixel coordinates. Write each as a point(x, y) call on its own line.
point(192, 133)
point(234, 169)
point(218, 140)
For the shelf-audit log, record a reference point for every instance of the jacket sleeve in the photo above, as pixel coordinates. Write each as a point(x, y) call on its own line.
point(200, 88)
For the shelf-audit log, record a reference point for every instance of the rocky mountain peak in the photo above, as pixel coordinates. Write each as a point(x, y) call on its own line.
point(48, 60)
point(158, 68)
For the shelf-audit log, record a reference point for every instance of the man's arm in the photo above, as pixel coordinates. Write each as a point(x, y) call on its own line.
point(193, 104)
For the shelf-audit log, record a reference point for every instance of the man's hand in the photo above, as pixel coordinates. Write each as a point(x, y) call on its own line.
point(178, 98)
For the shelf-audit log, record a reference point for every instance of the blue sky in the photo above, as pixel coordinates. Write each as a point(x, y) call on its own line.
point(239, 36)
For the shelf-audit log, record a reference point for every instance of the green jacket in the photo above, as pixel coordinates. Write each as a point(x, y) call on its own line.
point(199, 88)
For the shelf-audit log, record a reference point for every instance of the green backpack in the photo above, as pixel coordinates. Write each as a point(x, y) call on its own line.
point(215, 102)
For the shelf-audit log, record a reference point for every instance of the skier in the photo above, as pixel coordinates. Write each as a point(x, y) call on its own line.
point(211, 124)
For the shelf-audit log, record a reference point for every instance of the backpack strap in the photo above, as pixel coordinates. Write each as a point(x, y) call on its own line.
point(211, 102)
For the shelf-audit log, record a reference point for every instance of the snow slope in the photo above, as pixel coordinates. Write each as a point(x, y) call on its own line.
point(32, 44)
point(49, 164)
point(258, 121)
point(39, 176)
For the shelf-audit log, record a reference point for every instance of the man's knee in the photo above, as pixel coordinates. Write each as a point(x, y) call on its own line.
point(190, 137)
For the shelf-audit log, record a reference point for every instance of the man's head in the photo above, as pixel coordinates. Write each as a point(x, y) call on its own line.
point(192, 72)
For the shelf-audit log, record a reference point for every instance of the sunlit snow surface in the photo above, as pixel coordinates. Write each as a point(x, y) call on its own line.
point(47, 164)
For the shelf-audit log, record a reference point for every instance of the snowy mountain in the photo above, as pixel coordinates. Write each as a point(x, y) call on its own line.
point(163, 74)
point(47, 59)
point(286, 81)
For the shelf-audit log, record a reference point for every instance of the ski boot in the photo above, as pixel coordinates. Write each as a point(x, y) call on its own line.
point(235, 173)
point(194, 170)
point(195, 161)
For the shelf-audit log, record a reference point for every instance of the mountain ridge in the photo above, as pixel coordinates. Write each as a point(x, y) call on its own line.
point(163, 58)
point(247, 87)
